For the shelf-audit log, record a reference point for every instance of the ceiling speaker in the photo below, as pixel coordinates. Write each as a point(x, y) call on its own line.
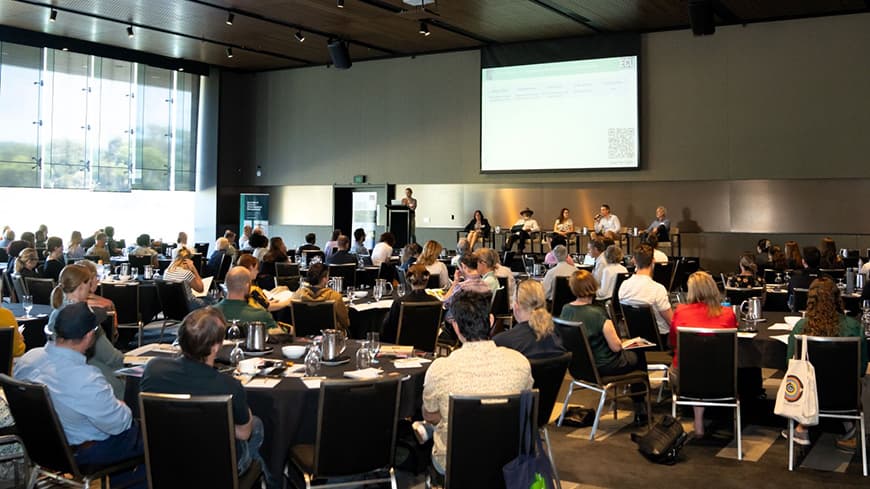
point(339, 54)
point(701, 17)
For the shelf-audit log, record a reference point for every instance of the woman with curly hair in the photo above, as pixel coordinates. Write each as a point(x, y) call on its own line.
point(825, 317)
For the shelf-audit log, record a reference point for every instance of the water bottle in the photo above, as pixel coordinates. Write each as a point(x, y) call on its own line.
point(312, 361)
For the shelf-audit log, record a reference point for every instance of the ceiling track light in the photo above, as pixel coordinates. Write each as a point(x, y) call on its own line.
point(230, 18)
point(424, 29)
point(229, 52)
point(339, 3)
point(299, 36)
point(130, 31)
point(52, 16)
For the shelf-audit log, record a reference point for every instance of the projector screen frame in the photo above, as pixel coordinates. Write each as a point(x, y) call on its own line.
point(554, 51)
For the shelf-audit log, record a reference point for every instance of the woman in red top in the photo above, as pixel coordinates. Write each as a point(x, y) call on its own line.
point(702, 311)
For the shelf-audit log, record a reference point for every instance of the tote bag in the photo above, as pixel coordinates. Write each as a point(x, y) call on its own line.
point(797, 397)
point(531, 469)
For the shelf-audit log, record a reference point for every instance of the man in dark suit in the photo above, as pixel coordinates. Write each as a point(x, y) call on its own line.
point(342, 256)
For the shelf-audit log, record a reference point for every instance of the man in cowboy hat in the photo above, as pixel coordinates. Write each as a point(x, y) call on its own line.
point(521, 229)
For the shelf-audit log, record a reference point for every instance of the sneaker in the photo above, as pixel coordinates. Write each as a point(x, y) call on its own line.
point(420, 432)
point(850, 433)
point(800, 437)
point(848, 444)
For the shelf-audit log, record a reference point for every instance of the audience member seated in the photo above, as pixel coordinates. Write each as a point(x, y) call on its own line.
point(778, 260)
point(564, 225)
point(15, 249)
point(793, 255)
point(595, 250)
point(417, 276)
point(256, 296)
point(462, 248)
point(342, 256)
point(467, 279)
point(550, 258)
point(54, 261)
point(30, 238)
point(383, 250)
point(748, 277)
point(143, 248)
point(410, 253)
point(91, 239)
point(181, 242)
point(200, 337)
point(801, 279)
point(329, 247)
point(183, 270)
point(359, 242)
point(491, 260)
point(478, 368)
point(485, 268)
point(99, 248)
point(534, 335)
point(606, 346)
point(74, 250)
point(521, 230)
point(8, 237)
point(660, 227)
point(221, 249)
point(477, 228)
point(258, 244)
point(614, 267)
point(562, 269)
point(702, 310)
point(76, 285)
point(641, 289)
point(658, 255)
point(98, 301)
point(429, 259)
point(232, 250)
point(825, 317)
point(235, 306)
point(41, 236)
point(98, 426)
point(830, 258)
point(309, 245)
point(113, 246)
point(26, 264)
point(244, 243)
point(318, 291)
point(7, 320)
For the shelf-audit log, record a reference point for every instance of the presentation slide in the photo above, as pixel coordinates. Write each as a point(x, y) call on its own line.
point(571, 115)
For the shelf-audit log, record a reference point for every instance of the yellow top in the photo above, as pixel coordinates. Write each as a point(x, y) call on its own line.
point(7, 320)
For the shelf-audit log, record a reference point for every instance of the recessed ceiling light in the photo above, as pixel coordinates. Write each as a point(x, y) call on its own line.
point(229, 52)
point(339, 3)
point(230, 18)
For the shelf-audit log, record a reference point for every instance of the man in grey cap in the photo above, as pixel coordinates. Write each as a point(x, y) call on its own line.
point(521, 230)
point(99, 428)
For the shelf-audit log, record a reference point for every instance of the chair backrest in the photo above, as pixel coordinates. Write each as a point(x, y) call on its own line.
point(621, 277)
point(38, 426)
point(687, 266)
point(197, 260)
point(224, 267)
point(549, 374)
point(139, 262)
point(266, 281)
point(173, 299)
point(641, 321)
point(837, 364)
point(663, 273)
point(93, 258)
point(175, 426)
point(800, 299)
point(201, 248)
point(501, 302)
point(418, 324)
point(834, 273)
point(561, 295)
point(736, 296)
point(483, 434)
point(19, 286)
point(434, 282)
point(582, 366)
point(770, 275)
point(708, 362)
point(340, 437)
point(309, 254)
point(346, 272)
point(40, 289)
point(291, 283)
point(7, 338)
point(286, 269)
point(4, 255)
point(311, 317)
point(8, 288)
point(126, 299)
point(386, 272)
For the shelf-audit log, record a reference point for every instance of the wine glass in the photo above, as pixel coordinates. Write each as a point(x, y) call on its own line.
point(363, 357)
point(349, 291)
point(373, 339)
point(234, 333)
point(134, 273)
point(27, 304)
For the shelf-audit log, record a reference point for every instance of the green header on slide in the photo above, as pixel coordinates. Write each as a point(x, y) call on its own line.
point(605, 65)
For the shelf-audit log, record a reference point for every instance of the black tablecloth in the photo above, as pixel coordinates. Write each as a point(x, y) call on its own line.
point(34, 334)
point(762, 350)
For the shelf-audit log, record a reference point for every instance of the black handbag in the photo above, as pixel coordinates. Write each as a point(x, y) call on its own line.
point(531, 469)
point(663, 442)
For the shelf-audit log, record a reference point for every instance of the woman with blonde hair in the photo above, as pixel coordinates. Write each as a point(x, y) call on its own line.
point(703, 309)
point(183, 270)
point(75, 285)
point(25, 264)
point(75, 251)
point(429, 259)
point(534, 335)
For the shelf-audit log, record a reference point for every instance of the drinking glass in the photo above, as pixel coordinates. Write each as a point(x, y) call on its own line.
point(134, 273)
point(27, 304)
point(401, 290)
point(349, 291)
point(373, 338)
point(865, 305)
point(363, 357)
point(378, 292)
point(234, 333)
point(313, 360)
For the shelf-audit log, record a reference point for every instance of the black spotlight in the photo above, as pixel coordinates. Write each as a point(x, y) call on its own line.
point(701, 17)
point(339, 54)
point(299, 36)
point(52, 16)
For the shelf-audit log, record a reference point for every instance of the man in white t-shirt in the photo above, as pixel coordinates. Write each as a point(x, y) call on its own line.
point(641, 289)
point(605, 221)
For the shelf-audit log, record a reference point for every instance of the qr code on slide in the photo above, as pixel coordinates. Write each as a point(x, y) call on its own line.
point(620, 143)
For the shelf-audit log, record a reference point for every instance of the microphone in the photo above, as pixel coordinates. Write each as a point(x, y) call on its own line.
point(597, 217)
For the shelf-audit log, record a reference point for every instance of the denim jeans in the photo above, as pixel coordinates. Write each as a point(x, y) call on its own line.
point(247, 451)
point(124, 445)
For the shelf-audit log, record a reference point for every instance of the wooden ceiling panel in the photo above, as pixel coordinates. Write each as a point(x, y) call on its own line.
point(630, 15)
point(757, 9)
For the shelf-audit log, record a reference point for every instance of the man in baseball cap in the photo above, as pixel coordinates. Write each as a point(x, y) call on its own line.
point(99, 428)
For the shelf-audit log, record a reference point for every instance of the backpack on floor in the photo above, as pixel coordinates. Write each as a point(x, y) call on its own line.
point(663, 442)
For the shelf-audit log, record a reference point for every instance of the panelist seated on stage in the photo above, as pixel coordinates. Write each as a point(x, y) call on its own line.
point(342, 256)
point(660, 227)
point(564, 225)
point(200, 337)
point(477, 228)
point(235, 306)
point(606, 221)
point(521, 230)
point(317, 290)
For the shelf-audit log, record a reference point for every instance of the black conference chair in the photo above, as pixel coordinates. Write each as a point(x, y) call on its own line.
point(201, 248)
point(337, 451)
point(176, 425)
point(483, 434)
point(561, 295)
point(549, 374)
point(308, 255)
point(286, 269)
point(43, 437)
point(311, 317)
point(434, 282)
point(686, 266)
point(139, 262)
point(7, 339)
point(346, 272)
point(641, 322)
point(663, 273)
point(834, 273)
point(125, 296)
point(501, 310)
point(40, 289)
point(837, 365)
point(19, 286)
point(173, 301)
point(708, 372)
point(799, 299)
point(585, 374)
point(614, 309)
point(223, 268)
point(418, 324)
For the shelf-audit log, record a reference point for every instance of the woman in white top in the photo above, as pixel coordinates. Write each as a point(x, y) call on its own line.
point(183, 270)
point(382, 251)
point(564, 225)
point(74, 250)
point(613, 257)
point(429, 258)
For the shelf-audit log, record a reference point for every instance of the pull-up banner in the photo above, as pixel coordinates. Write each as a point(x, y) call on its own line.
point(254, 211)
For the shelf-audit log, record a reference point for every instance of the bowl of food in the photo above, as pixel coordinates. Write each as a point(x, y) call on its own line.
point(293, 351)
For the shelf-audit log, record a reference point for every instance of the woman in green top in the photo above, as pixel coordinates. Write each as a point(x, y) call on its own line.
point(825, 317)
point(606, 346)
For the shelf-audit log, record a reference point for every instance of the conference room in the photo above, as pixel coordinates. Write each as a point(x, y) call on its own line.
point(736, 122)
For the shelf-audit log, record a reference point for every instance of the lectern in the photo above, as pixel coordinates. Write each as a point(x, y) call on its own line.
point(399, 223)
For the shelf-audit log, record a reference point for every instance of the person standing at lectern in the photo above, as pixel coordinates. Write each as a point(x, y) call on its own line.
point(411, 202)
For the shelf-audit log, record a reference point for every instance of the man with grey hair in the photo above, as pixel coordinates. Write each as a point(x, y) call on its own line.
point(461, 250)
point(236, 306)
point(562, 269)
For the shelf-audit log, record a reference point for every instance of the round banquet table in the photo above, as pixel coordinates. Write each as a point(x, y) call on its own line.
point(289, 410)
point(33, 329)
